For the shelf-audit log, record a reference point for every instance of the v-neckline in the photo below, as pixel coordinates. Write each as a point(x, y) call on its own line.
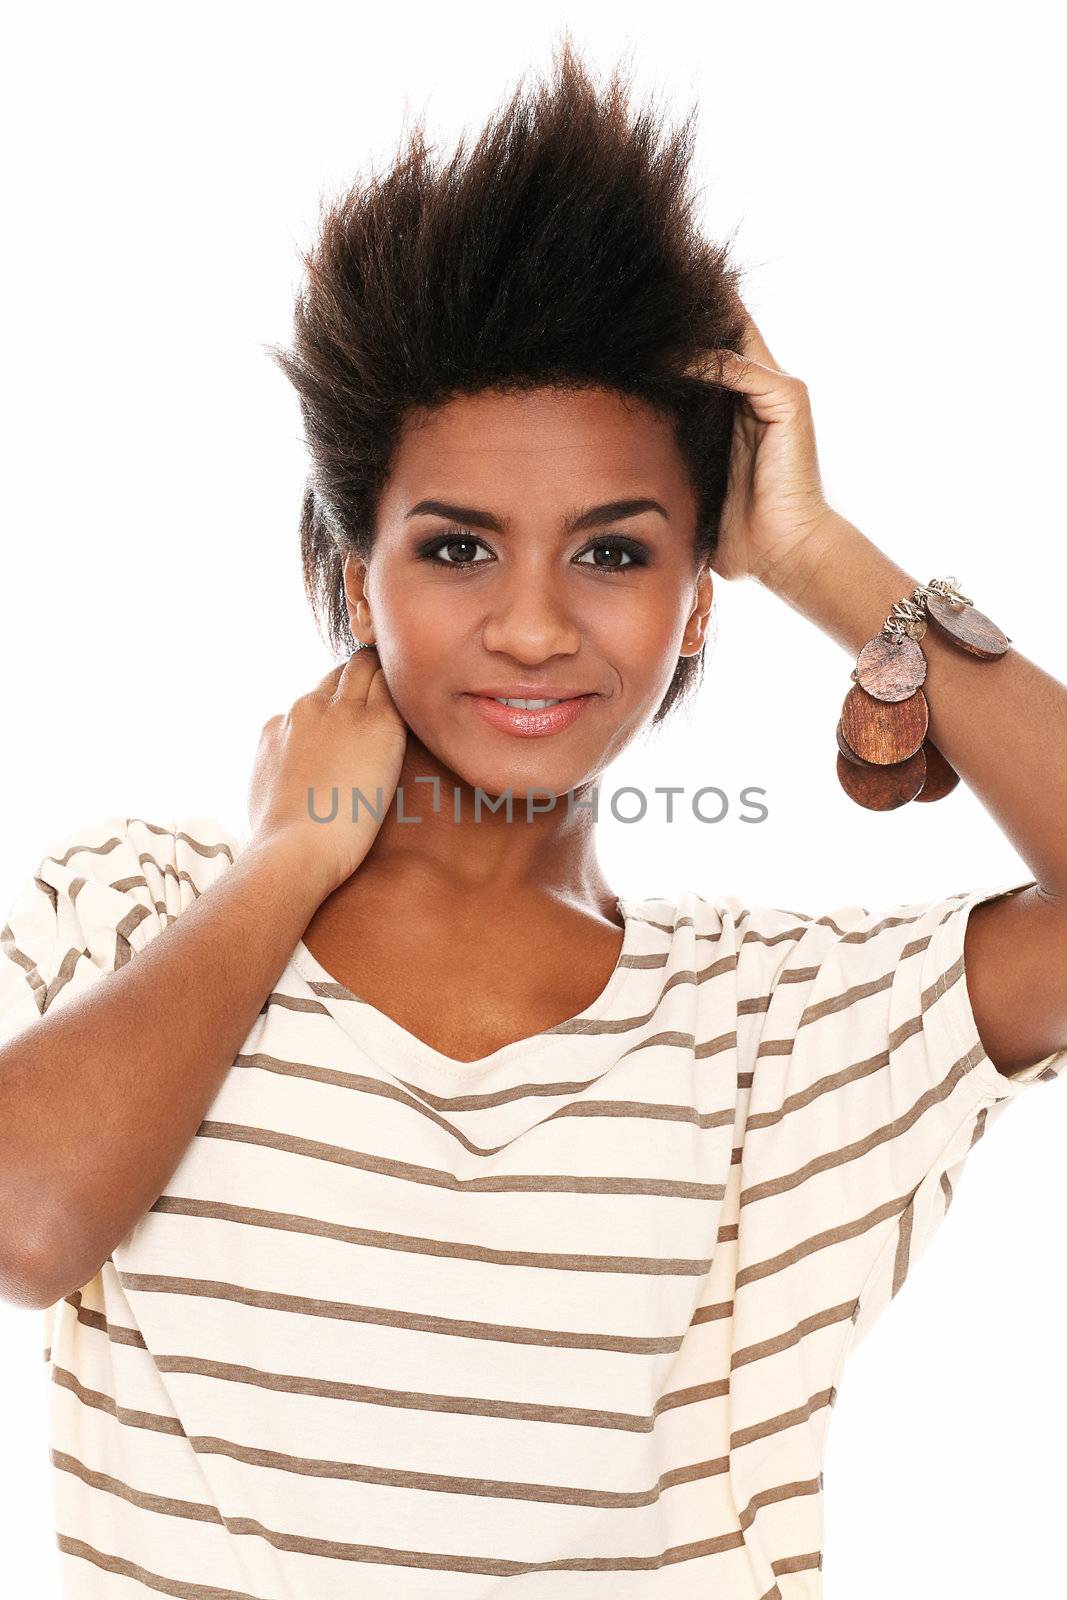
point(366, 1022)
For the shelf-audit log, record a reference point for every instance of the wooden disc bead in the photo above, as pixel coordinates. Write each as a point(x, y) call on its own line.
point(884, 731)
point(890, 668)
point(966, 627)
point(941, 777)
point(848, 752)
point(883, 788)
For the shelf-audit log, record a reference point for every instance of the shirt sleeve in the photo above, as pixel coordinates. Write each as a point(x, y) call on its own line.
point(96, 897)
point(870, 1088)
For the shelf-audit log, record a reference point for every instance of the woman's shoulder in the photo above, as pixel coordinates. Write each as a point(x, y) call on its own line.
point(709, 911)
point(845, 942)
point(100, 849)
point(127, 874)
point(836, 919)
point(89, 897)
point(724, 927)
point(842, 930)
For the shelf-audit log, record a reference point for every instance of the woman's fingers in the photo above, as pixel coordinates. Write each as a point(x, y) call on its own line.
point(771, 394)
point(358, 673)
point(326, 685)
point(754, 345)
point(753, 348)
point(349, 675)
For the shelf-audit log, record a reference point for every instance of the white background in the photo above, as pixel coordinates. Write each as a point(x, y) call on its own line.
point(892, 175)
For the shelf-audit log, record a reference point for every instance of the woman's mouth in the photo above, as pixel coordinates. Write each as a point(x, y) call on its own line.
point(529, 717)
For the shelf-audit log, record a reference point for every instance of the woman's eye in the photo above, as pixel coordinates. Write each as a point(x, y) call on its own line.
point(635, 555)
point(464, 542)
point(607, 555)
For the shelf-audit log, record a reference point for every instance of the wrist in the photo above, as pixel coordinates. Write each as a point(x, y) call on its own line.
point(283, 856)
point(842, 582)
point(791, 574)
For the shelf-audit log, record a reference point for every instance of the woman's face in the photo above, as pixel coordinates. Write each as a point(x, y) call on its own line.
point(482, 583)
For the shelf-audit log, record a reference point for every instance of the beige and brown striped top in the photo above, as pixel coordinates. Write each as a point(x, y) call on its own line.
point(573, 1314)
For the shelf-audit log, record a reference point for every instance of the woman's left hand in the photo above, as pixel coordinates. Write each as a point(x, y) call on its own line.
point(775, 501)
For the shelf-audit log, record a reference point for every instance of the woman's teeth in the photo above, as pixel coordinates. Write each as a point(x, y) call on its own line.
point(526, 705)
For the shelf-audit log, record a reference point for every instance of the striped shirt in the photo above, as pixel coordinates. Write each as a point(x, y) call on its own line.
point(572, 1315)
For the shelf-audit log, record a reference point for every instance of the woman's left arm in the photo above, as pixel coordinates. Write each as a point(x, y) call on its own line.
point(1001, 724)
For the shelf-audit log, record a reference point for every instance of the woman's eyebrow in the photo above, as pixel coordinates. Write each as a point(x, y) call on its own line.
point(594, 517)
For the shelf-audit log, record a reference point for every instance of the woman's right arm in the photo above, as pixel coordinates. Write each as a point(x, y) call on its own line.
point(100, 1097)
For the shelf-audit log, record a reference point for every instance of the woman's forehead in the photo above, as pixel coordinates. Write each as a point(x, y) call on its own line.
point(546, 438)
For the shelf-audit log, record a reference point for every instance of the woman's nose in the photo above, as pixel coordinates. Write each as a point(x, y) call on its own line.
point(531, 623)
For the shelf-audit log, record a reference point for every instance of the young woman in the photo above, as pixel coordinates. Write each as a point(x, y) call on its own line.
point(412, 1215)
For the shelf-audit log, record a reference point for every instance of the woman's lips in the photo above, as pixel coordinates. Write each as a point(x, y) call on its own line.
point(530, 723)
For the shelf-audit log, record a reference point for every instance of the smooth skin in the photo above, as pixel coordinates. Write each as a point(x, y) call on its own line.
point(1002, 724)
point(524, 906)
point(520, 910)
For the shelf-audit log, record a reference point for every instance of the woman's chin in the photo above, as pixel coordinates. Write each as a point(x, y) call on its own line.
point(526, 773)
point(524, 766)
point(520, 783)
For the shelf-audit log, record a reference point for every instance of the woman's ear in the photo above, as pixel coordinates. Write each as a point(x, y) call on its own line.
point(696, 627)
point(359, 618)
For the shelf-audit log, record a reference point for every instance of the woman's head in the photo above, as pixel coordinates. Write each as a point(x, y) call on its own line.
point(508, 333)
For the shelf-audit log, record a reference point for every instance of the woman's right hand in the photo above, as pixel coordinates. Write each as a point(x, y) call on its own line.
point(344, 734)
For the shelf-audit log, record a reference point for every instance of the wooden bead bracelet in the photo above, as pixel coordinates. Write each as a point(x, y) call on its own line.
point(884, 757)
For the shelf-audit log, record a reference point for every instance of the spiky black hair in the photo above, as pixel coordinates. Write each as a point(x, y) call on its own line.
point(560, 251)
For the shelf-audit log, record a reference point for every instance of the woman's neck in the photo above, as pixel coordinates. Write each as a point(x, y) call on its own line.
point(442, 836)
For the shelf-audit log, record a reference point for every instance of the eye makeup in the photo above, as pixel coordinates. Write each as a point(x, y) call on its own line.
point(637, 554)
